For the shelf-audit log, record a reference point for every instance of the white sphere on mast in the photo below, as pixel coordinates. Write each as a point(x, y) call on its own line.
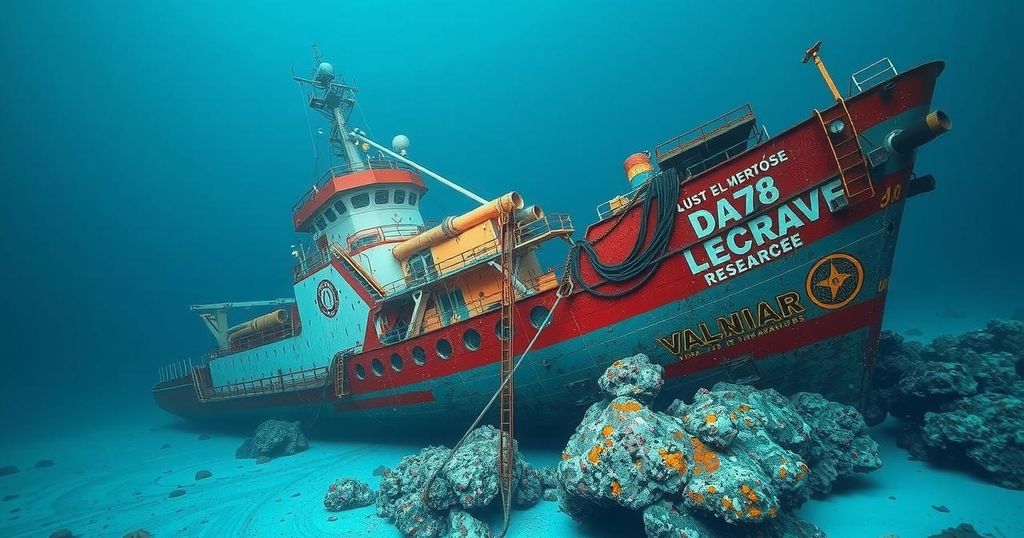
point(400, 144)
point(324, 73)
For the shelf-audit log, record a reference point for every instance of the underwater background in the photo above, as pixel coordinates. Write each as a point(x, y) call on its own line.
point(151, 152)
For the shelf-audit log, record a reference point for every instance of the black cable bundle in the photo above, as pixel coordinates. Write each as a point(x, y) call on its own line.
point(642, 260)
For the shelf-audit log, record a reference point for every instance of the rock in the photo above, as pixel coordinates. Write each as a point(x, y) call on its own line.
point(379, 470)
point(839, 444)
point(203, 437)
point(963, 530)
point(548, 476)
point(665, 520)
point(203, 474)
point(348, 493)
point(463, 525)
point(551, 494)
point(10, 497)
point(165, 445)
point(260, 460)
point(140, 533)
point(940, 508)
point(62, 533)
point(274, 438)
point(332, 518)
point(8, 470)
point(635, 377)
point(43, 463)
point(176, 493)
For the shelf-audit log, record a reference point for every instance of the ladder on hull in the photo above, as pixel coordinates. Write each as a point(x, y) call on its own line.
point(846, 150)
point(506, 446)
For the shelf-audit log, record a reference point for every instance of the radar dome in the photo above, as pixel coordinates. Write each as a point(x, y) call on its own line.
point(324, 72)
point(400, 144)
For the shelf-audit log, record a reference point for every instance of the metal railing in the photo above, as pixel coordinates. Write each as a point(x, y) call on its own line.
point(755, 138)
point(704, 131)
point(881, 68)
point(282, 382)
point(367, 237)
point(175, 370)
point(254, 340)
point(373, 163)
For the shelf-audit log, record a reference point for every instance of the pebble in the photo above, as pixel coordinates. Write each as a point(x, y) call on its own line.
point(10, 497)
point(176, 493)
point(203, 437)
point(44, 463)
point(7, 470)
point(332, 518)
point(203, 474)
point(940, 508)
point(166, 445)
point(62, 533)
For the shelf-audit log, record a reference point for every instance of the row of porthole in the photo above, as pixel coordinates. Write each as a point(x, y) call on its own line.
point(471, 339)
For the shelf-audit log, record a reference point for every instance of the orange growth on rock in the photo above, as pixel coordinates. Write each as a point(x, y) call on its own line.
point(749, 493)
point(772, 512)
point(747, 421)
point(594, 456)
point(743, 407)
point(616, 488)
point(565, 455)
point(754, 512)
point(675, 460)
point(711, 418)
point(727, 503)
point(629, 406)
point(705, 459)
point(697, 498)
point(608, 442)
point(678, 435)
point(712, 490)
point(733, 417)
point(783, 472)
point(607, 430)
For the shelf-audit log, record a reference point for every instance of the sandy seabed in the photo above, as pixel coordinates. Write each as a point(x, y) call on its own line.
point(111, 480)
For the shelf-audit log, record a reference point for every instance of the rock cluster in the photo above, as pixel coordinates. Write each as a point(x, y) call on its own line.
point(469, 481)
point(273, 438)
point(346, 494)
point(729, 464)
point(962, 398)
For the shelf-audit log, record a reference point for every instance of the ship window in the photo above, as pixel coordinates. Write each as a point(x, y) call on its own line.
point(339, 206)
point(419, 356)
point(502, 329)
point(537, 316)
point(378, 367)
point(444, 348)
point(396, 362)
point(330, 214)
point(380, 197)
point(421, 264)
point(399, 196)
point(412, 198)
point(320, 224)
point(360, 371)
point(471, 338)
point(360, 200)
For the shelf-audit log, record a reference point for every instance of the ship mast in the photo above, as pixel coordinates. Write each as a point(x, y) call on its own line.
point(333, 99)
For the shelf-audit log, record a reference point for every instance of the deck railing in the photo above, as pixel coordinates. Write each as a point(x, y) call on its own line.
point(175, 370)
point(281, 382)
point(254, 340)
point(871, 75)
point(374, 163)
point(703, 131)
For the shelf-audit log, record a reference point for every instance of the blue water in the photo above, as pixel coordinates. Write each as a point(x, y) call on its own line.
point(150, 152)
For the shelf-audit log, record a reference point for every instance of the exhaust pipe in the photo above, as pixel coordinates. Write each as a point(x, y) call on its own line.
point(529, 214)
point(921, 185)
point(920, 133)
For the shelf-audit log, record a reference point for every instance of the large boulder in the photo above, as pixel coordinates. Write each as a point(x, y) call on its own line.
point(839, 444)
point(634, 377)
point(665, 520)
point(274, 438)
point(348, 493)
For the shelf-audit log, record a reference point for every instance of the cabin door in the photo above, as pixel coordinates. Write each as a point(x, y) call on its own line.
point(453, 306)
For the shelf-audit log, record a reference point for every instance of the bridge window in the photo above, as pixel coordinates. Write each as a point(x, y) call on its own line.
point(339, 206)
point(396, 362)
point(412, 198)
point(444, 349)
point(421, 264)
point(471, 338)
point(360, 371)
point(320, 224)
point(378, 367)
point(330, 214)
point(537, 316)
point(360, 200)
point(380, 197)
point(399, 196)
point(419, 356)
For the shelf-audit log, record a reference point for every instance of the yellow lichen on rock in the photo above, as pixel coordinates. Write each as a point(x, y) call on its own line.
point(705, 460)
point(675, 460)
point(594, 456)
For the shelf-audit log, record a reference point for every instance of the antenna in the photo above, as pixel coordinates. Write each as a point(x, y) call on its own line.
point(812, 54)
point(334, 100)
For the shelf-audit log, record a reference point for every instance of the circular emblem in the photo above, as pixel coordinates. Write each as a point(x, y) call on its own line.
point(834, 281)
point(327, 298)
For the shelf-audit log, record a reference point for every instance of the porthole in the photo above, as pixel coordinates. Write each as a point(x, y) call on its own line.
point(378, 367)
point(444, 348)
point(360, 372)
point(471, 338)
point(502, 330)
point(419, 356)
point(537, 316)
point(396, 362)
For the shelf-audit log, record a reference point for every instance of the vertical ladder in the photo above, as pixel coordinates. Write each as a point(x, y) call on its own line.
point(848, 154)
point(506, 449)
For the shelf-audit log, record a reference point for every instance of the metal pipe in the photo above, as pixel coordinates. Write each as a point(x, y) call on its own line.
point(422, 169)
point(920, 133)
point(529, 214)
point(453, 226)
point(266, 321)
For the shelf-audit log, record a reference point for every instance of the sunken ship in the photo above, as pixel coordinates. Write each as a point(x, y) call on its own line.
point(733, 255)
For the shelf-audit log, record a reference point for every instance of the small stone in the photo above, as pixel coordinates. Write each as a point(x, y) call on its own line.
point(166, 445)
point(44, 463)
point(551, 494)
point(203, 437)
point(332, 518)
point(8, 470)
point(10, 497)
point(62, 533)
point(892, 497)
point(139, 533)
point(203, 474)
point(348, 493)
point(176, 493)
point(296, 495)
point(940, 508)
point(261, 460)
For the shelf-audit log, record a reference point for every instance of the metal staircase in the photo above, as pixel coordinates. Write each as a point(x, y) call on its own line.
point(367, 282)
point(846, 149)
point(506, 447)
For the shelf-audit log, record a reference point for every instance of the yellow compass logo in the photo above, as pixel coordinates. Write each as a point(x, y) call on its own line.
point(834, 281)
